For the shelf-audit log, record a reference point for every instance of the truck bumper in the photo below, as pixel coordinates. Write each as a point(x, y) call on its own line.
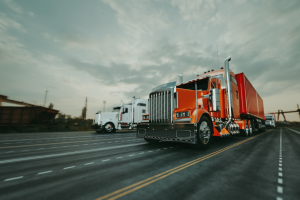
point(185, 133)
point(97, 127)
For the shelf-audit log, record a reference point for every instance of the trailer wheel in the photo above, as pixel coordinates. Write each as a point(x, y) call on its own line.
point(244, 132)
point(204, 134)
point(151, 140)
point(108, 127)
point(99, 131)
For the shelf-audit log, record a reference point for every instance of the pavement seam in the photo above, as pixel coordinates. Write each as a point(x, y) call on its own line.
point(52, 143)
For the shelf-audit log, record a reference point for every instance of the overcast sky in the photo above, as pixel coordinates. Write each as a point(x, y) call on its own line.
point(114, 50)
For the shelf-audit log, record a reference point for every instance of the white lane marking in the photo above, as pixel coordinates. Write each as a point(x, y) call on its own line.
point(69, 153)
point(89, 163)
point(150, 151)
point(55, 139)
point(294, 130)
point(157, 149)
point(280, 181)
point(40, 149)
point(69, 167)
point(279, 198)
point(280, 164)
point(44, 172)
point(85, 144)
point(65, 146)
point(109, 142)
point(105, 160)
point(141, 153)
point(119, 157)
point(10, 179)
point(279, 189)
point(131, 155)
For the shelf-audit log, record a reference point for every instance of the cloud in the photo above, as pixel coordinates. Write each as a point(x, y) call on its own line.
point(12, 5)
point(112, 50)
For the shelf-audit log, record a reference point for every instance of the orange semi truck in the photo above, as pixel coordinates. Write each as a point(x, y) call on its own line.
point(217, 103)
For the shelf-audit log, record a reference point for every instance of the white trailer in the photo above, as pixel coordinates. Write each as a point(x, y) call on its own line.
point(122, 117)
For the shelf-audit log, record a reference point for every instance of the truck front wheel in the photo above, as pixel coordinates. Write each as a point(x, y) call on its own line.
point(108, 128)
point(204, 134)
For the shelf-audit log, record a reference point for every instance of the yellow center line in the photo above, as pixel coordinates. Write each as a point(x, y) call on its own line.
point(131, 188)
point(60, 143)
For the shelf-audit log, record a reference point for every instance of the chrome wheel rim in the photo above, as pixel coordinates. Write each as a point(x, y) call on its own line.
point(204, 132)
point(108, 127)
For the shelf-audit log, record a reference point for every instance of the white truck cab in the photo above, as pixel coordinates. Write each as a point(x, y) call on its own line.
point(270, 120)
point(122, 117)
point(132, 113)
point(106, 121)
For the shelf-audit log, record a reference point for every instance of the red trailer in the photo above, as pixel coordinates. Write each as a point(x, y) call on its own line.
point(251, 104)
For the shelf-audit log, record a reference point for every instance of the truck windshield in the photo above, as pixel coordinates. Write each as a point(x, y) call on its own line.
point(116, 109)
point(201, 85)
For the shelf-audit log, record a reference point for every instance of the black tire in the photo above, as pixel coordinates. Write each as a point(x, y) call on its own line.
point(204, 138)
point(244, 133)
point(151, 140)
point(108, 128)
point(98, 131)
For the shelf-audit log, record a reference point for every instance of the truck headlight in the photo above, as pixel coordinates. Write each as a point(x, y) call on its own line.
point(183, 114)
point(145, 117)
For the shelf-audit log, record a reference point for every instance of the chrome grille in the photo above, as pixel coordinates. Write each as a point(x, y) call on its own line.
point(160, 107)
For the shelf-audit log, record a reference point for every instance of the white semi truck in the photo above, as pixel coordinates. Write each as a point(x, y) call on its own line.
point(270, 120)
point(122, 117)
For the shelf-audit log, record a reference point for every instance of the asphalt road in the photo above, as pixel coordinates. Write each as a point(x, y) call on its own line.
point(86, 165)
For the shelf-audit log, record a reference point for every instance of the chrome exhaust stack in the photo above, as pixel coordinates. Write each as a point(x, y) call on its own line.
point(229, 91)
point(180, 77)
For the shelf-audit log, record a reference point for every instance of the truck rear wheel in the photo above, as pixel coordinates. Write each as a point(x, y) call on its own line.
point(151, 140)
point(204, 134)
point(108, 127)
point(99, 131)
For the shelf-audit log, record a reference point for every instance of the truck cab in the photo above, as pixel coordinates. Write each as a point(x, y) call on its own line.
point(132, 113)
point(106, 121)
point(217, 103)
point(270, 120)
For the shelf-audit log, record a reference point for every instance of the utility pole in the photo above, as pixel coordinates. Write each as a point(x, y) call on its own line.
point(104, 105)
point(45, 98)
point(85, 107)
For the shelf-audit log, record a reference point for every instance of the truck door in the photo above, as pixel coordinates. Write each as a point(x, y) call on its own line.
point(235, 98)
point(126, 114)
